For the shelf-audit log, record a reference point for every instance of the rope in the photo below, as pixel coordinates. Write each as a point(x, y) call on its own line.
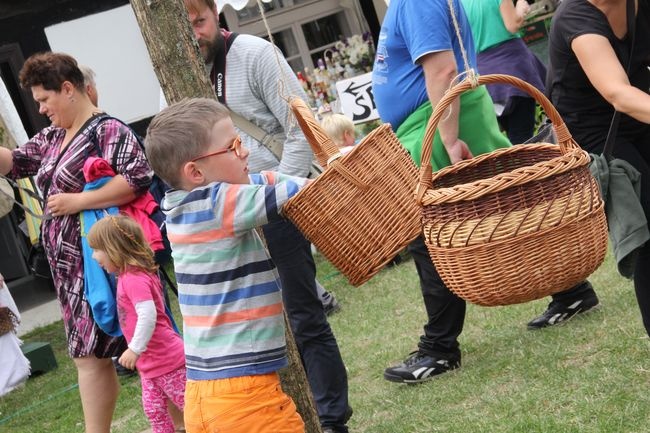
point(283, 80)
point(470, 73)
point(291, 120)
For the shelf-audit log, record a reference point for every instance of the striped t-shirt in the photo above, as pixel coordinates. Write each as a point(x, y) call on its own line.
point(228, 290)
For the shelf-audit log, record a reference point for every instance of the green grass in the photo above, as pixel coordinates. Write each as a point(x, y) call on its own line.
point(590, 375)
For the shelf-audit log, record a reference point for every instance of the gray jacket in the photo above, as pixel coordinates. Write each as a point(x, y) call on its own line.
point(620, 187)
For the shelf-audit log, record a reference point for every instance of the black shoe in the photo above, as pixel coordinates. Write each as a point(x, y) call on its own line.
point(558, 312)
point(418, 367)
point(123, 371)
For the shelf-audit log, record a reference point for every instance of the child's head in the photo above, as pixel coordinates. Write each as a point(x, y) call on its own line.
point(340, 129)
point(193, 143)
point(118, 243)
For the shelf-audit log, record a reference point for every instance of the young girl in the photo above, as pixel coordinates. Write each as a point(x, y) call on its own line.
point(120, 247)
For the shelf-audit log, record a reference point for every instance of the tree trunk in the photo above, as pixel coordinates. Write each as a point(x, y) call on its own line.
point(294, 382)
point(181, 71)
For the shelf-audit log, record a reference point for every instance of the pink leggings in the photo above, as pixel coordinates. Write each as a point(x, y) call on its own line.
point(155, 393)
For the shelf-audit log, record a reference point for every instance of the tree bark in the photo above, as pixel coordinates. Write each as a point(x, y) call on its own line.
point(174, 52)
point(294, 382)
point(181, 71)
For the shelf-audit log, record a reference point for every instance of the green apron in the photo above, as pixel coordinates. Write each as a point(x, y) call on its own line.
point(478, 128)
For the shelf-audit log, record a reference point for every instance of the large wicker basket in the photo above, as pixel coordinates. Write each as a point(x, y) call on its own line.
point(515, 224)
point(360, 212)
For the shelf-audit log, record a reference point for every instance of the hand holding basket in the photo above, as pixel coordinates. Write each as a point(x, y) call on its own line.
point(515, 224)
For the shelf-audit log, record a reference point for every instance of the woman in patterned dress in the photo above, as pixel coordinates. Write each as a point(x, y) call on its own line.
point(55, 156)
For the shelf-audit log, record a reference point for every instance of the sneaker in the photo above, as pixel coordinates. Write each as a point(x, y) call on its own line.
point(332, 306)
point(557, 312)
point(418, 367)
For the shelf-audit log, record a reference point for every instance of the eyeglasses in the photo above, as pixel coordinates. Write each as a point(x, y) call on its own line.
point(234, 147)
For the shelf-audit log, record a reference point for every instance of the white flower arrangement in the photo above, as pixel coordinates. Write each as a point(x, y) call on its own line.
point(357, 51)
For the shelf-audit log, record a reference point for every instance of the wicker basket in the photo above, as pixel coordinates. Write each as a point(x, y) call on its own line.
point(516, 224)
point(360, 212)
point(7, 320)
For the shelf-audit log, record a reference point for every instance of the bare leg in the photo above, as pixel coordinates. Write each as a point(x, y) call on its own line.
point(98, 387)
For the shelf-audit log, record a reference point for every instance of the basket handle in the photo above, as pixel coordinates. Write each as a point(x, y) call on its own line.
point(321, 144)
point(563, 135)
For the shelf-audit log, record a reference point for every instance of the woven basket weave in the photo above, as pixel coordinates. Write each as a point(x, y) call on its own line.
point(7, 320)
point(360, 212)
point(516, 224)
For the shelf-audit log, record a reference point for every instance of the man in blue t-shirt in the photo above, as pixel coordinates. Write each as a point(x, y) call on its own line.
point(419, 36)
point(418, 57)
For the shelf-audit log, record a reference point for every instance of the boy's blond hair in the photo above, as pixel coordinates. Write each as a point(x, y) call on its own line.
point(180, 133)
point(123, 241)
point(335, 125)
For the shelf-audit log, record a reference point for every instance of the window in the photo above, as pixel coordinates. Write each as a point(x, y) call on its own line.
point(286, 42)
point(323, 33)
point(302, 29)
point(252, 12)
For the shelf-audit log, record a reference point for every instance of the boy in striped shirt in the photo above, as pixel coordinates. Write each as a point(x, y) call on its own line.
point(228, 289)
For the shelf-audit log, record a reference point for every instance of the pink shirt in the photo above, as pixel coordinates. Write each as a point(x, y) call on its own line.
point(164, 352)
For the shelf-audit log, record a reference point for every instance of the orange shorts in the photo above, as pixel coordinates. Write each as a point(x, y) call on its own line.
point(248, 404)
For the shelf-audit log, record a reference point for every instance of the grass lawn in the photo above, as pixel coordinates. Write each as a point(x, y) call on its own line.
point(590, 375)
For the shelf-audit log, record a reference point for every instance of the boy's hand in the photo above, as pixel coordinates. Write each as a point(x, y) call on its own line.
point(128, 359)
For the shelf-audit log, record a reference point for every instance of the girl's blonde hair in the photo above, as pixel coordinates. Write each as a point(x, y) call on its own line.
point(123, 241)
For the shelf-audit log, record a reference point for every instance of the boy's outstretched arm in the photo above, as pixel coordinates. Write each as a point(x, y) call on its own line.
point(253, 205)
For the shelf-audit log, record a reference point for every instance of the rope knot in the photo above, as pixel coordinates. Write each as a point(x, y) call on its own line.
point(472, 77)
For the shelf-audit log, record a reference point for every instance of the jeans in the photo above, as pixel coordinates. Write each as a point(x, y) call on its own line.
point(445, 310)
point(291, 253)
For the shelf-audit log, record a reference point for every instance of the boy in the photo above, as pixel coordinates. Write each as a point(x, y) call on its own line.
point(228, 292)
point(340, 129)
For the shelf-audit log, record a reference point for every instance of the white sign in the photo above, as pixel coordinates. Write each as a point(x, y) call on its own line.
point(357, 101)
point(111, 44)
